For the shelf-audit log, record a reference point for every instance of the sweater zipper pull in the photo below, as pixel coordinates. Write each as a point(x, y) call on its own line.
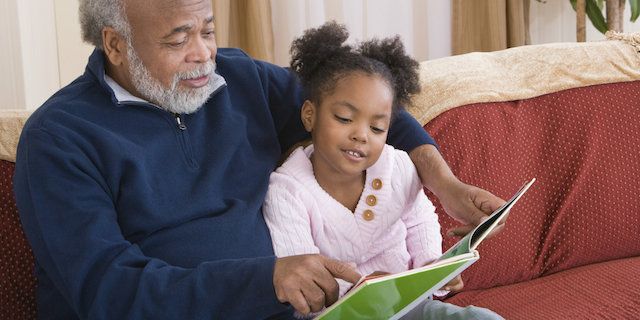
point(181, 125)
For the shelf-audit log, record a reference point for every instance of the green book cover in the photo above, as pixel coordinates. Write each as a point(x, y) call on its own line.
point(397, 294)
point(392, 296)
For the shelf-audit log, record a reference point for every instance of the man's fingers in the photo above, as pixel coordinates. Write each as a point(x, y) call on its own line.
point(477, 216)
point(460, 231)
point(329, 286)
point(486, 201)
point(315, 297)
point(298, 302)
point(308, 282)
point(341, 270)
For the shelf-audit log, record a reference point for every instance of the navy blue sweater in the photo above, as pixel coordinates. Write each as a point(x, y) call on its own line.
point(131, 217)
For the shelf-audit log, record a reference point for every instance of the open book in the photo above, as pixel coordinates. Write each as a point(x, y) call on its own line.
point(392, 296)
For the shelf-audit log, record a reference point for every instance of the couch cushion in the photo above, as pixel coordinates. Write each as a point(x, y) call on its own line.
point(583, 146)
point(607, 290)
point(17, 281)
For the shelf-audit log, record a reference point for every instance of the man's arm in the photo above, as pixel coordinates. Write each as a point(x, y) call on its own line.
point(286, 96)
point(466, 203)
point(70, 219)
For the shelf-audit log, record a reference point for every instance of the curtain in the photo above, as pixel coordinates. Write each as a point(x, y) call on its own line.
point(364, 19)
point(245, 24)
point(489, 25)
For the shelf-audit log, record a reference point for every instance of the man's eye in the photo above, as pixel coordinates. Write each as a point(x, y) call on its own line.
point(177, 44)
point(343, 120)
point(208, 34)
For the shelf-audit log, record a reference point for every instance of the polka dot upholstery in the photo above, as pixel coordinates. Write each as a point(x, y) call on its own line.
point(17, 281)
point(583, 146)
point(603, 290)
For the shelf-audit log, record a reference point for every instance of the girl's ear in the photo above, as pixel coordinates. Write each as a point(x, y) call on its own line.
point(308, 115)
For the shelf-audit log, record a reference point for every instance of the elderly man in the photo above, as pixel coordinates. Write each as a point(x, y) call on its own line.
point(139, 185)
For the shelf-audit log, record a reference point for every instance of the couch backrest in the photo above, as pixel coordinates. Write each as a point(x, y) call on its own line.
point(582, 145)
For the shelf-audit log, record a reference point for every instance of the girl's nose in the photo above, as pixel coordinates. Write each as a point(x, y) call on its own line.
point(359, 134)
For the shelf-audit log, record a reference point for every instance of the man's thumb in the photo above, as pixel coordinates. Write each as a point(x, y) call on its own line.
point(341, 270)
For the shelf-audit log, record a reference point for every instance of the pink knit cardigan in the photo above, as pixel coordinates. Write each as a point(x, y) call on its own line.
point(400, 231)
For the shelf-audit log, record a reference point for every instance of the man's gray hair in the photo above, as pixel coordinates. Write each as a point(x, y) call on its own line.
point(95, 15)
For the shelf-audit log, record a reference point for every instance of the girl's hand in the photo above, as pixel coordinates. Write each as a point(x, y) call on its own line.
point(455, 285)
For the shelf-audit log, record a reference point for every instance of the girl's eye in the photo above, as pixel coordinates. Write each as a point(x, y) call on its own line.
point(343, 120)
point(377, 130)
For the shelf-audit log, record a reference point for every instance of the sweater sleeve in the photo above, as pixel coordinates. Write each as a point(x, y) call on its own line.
point(286, 97)
point(287, 219)
point(289, 224)
point(71, 222)
point(424, 241)
point(406, 133)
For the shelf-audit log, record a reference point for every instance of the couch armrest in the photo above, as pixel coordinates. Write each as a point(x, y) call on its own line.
point(11, 123)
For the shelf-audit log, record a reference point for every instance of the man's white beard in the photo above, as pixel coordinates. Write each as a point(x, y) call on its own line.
point(173, 99)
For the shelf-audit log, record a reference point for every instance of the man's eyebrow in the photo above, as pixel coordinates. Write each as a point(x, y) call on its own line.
point(181, 29)
point(185, 28)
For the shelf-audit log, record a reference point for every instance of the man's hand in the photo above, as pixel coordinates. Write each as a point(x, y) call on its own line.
point(469, 205)
point(307, 281)
point(465, 203)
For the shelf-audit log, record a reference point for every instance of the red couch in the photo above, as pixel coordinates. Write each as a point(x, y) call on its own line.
point(17, 280)
point(571, 248)
point(567, 114)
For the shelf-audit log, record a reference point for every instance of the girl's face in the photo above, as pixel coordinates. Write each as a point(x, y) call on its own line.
point(349, 128)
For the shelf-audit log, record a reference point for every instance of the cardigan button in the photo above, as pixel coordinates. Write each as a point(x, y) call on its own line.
point(371, 200)
point(368, 215)
point(376, 184)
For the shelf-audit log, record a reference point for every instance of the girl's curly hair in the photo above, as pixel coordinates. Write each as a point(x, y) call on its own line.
point(320, 58)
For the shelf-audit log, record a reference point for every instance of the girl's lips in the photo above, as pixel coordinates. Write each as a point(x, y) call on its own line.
point(197, 82)
point(354, 155)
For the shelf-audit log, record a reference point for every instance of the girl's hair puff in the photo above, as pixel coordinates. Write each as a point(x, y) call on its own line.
point(321, 58)
point(404, 69)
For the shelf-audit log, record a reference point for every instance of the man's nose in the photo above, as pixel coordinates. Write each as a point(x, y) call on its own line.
point(200, 51)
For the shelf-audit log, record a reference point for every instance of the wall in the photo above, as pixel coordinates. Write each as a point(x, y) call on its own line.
point(11, 80)
point(423, 25)
point(72, 52)
point(30, 57)
point(42, 50)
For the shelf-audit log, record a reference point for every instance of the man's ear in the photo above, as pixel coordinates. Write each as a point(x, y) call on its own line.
point(115, 46)
point(308, 115)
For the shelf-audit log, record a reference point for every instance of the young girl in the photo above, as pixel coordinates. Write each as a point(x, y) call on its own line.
point(349, 196)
